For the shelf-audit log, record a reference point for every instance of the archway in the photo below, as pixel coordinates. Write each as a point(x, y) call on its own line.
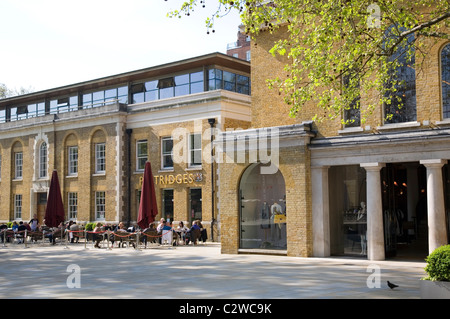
point(262, 200)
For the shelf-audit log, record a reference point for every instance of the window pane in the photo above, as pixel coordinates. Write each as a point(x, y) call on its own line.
point(166, 93)
point(138, 98)
point(141, 154)
point(182, 90)
point(87, 99)
point(112, 93)
point(196, 87)
point(182, 79)
point(197, 76)
point(229, 77)
point(151, 85)
point(167, 146)
point(151, 95)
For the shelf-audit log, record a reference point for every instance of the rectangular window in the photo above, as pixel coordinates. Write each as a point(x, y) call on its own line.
point(167, 152)
point(141, 154)
point(195, 203)
point(73, 205)
point(100, 205)
point(18, 165)
point(17, 206)
point(195, 149)
point(167, 204)
point(43, 160)
point(100, 158)
point(73, 160)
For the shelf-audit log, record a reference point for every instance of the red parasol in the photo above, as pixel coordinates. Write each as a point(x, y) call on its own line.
point(147, 207)
point(54, 212)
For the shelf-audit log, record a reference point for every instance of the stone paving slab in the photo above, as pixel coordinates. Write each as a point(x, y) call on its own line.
point(195, 272)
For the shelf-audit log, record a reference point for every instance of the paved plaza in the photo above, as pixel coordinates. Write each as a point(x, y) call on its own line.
point(194, 272)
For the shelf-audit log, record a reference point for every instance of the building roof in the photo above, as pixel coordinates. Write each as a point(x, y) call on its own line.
point(215, 58)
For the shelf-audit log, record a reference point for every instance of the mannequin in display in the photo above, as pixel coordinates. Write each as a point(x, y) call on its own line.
point(362, 217)
point(362, 212)
point(275, 210)
point(265, 220)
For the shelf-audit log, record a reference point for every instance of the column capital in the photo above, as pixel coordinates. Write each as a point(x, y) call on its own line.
point(372, 166)
point(437, 163)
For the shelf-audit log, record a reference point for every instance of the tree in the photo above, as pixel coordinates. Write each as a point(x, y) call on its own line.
point(340, 50)
point(5, 92)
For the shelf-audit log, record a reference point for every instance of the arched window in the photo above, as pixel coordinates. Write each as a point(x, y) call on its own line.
point(402, 82)
point(262, 209)
point(445, 78)
point(43, 160)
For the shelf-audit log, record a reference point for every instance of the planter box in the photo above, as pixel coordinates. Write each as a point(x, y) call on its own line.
point(434, 289)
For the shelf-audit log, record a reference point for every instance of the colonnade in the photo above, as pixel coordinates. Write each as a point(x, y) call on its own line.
point(437, 226)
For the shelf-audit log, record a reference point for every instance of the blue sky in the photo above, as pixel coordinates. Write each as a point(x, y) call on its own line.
point(52, 43)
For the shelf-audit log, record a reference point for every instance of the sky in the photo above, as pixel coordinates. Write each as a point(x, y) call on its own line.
point(46, 44)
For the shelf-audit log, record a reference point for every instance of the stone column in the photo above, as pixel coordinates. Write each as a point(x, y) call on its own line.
point(375, 231)
point(320, 211)
point(437, 231)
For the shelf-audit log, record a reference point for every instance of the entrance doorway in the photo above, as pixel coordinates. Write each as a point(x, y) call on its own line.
point(405, 210)
point(41, 204)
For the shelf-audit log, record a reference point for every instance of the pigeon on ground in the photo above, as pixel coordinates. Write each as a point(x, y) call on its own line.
point(391, 285)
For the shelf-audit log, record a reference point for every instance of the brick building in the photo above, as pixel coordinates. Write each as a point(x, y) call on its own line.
point(98, 135)
point(376, 190)
point(241, 48)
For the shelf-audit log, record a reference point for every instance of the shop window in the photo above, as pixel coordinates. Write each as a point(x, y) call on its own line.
point(167, 204)
point(195, 204)
point(445, 78)
point(348, 211)
point(262, 209)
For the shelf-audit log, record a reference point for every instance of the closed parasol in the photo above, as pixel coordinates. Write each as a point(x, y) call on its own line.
point(54, 212)
point(147, 206)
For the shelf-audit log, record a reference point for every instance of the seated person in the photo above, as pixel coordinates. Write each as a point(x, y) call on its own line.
point(98, 237)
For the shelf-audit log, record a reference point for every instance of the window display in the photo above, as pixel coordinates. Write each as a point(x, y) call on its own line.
point(262, 210)
point(348, 210)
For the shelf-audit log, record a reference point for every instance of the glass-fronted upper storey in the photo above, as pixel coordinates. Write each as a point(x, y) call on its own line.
point(206, 73)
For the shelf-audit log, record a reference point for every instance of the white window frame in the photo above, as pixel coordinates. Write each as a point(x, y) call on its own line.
point(100, 205)
point(17, 206)
point(100, 158)
point(43, 158)
point(72, 206)
point(164, 154)
point(193, 151)
point(72, 160)
point(18, 167)
point(140, 156)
